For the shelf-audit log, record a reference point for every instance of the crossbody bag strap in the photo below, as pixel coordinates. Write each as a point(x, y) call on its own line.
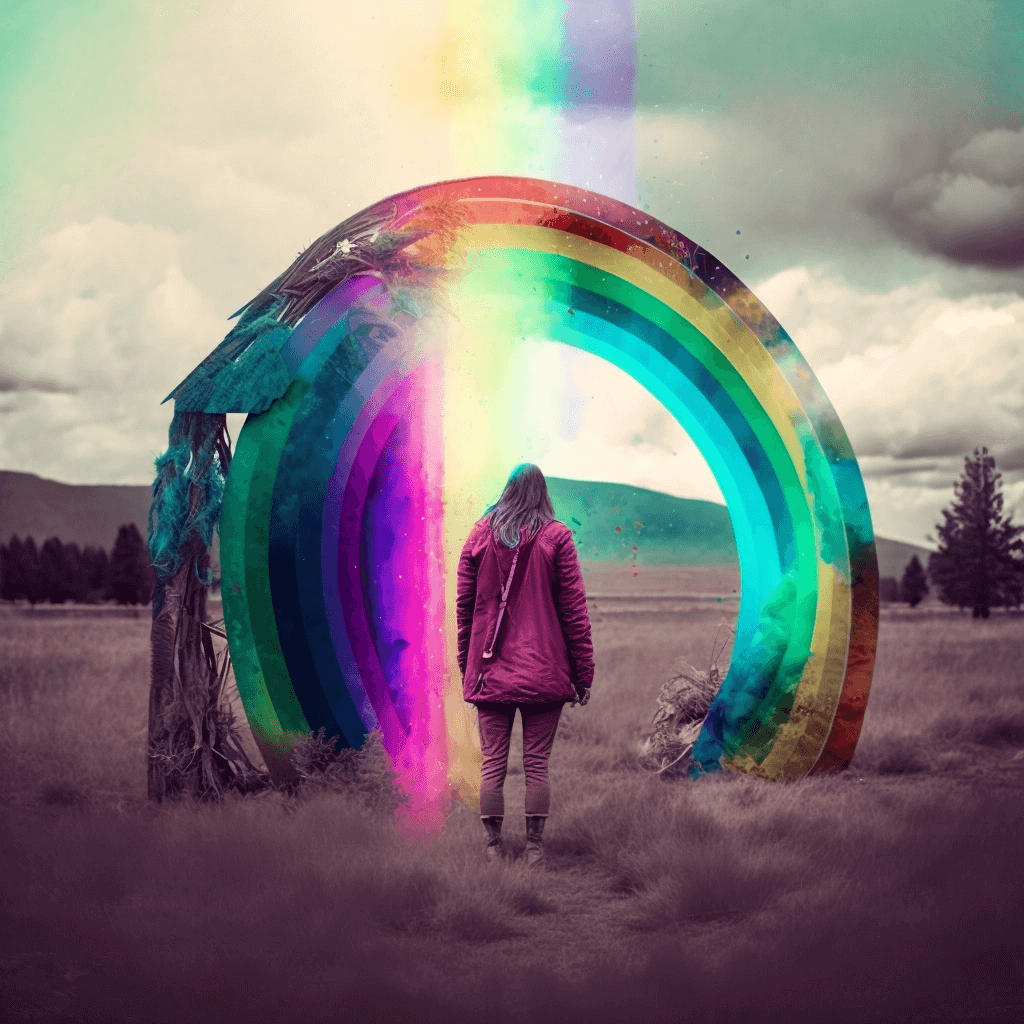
point(489, 650)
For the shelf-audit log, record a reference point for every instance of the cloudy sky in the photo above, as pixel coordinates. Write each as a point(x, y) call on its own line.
point(860, 165)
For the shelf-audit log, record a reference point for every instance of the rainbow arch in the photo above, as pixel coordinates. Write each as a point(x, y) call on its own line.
point(337, 571)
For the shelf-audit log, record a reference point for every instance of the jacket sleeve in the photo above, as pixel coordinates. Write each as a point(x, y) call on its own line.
point(572, 611)
point(465, 600)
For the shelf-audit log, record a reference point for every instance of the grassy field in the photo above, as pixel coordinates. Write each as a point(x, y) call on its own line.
point(892, 892)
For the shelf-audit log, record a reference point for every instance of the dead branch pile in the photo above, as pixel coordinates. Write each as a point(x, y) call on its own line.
point(682, 707)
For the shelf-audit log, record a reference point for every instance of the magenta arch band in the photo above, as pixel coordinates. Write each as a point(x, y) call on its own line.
point(331, 531)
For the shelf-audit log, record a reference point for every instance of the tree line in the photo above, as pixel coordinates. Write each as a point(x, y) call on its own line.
point(979, 563)
point(59, 572)
point(912, 588)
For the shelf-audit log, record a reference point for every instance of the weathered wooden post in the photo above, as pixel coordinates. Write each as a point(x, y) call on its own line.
point(193, 746)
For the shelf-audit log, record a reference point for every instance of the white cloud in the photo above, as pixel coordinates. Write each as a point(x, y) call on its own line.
point(932, 394)
point(919, 379)
point(266, 134)
point(270, 129)
point(108, 314)
point(626, 435)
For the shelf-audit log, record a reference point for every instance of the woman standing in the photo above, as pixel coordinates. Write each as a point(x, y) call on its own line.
point(524, 642)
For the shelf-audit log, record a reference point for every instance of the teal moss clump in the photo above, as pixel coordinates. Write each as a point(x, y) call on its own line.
point(246, 371)
point(188, 491)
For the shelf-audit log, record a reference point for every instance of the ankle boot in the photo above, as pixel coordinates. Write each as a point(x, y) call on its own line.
point(534, 851)
point(494, 849)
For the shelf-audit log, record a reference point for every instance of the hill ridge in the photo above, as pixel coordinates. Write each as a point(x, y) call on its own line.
point(673, 531)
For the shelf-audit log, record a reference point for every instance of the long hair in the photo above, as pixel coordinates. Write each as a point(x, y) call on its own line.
point(524, 505)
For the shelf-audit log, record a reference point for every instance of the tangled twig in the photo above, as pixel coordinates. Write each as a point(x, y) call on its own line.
point(683, 705)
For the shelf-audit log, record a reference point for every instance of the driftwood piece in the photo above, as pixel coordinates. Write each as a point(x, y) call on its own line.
point(194, 746)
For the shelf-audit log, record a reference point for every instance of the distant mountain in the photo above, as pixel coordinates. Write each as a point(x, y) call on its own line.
point(33, 507)
point(611, 520)
point(893, 556)
point(608, 520)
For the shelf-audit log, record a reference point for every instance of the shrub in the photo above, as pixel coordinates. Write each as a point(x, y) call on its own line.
point(888, 589)
point(682, 707)
point(914, 585)
point(364, 772)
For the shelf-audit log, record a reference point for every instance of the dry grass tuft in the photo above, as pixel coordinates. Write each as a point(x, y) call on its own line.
point(365, 772)
point(1000, 723)
point(891, 892)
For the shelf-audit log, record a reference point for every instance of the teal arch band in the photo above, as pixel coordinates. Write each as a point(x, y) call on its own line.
point(641, 335)
point(797, 509)
point(530, 201)
point(666, 353)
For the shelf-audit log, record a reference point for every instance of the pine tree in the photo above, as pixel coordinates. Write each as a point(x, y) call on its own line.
point(131, 576)
point(53, 570)
point(914, 584)
point(13, 570)
point(22, 574)
point(77, 584)
point(980, 561)
point(32, 586)
point(95, 568)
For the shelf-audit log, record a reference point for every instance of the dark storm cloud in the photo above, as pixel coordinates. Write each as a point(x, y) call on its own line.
point(1012, 459)
point(932, 456)
point(875, 466)
point(937, 475)
point(932, 444)
point(9, 382)
point(870, 189)
point(969, 208)
point(828, 135)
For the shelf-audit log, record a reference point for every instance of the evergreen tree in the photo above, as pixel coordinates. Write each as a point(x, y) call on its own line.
point(31, 574)
point(22, 578)
point(13, 569)
point(914, 584)
point(980, 561)
point(95, 568)
point(131, 576)
point(888, 589)
point(53, 571)
point(77, 585)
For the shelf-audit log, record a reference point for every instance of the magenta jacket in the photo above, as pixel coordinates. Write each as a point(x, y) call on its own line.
point(544, 648)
